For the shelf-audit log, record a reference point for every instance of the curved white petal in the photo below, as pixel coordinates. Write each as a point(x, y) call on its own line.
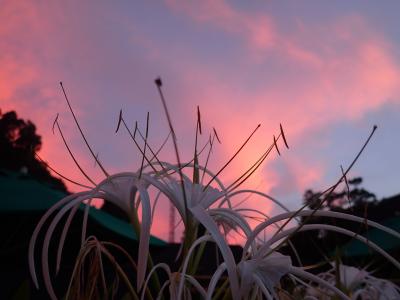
point(163, 266)
point(311, 277)
point(47, 238)
point(269, 270)
point(200, 240)
point(264, 290)
point(120, 189)
point(144, 236)
point(64, 235)
point(197, 285)
point(214, 280)
point(32, 243)
point(352, 234)
point(318, 213)
point(226, 252)
point(277, 202)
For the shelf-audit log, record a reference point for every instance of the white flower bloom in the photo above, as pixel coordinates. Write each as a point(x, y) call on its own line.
point(360, 284)
point(266, 271)
point(351, 276)
point(119, 189)
point(195, 195)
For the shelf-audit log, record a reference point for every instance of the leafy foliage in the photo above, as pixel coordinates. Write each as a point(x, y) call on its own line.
point(18, 144)
point(351, 196)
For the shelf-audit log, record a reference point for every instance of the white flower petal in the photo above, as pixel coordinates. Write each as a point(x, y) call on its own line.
point(318, 213)
point(120, 189)
point(144, 236)
point(260, 283)
point(269, 270)
point(226, 252)
point(47, 238)
point(64, 235)
point(163, 266)
point(214, 280)
point(285, 233)
point(187, 259)
point(197, 285)
point(309, 276)
point(32, 243)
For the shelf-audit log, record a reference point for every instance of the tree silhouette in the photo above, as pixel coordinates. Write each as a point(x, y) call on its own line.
point(351, 196)
point(18, 145)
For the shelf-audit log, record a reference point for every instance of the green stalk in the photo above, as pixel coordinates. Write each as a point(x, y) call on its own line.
point(190, 235)
point(221, 289)
point(199, 255)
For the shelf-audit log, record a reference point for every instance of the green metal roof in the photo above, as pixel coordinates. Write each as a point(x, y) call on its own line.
point(21, 193)
point(382, 239)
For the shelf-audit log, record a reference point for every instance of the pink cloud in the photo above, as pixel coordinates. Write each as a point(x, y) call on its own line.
point(29, 78)
point(338, 71)
point(255, 29)
point(344, 70)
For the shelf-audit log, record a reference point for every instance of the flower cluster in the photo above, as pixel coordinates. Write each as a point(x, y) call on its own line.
point(259, 272)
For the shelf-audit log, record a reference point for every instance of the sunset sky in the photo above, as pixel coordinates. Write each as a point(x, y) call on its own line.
point(327, 70)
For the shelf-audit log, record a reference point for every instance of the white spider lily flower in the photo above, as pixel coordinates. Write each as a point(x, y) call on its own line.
point(284, 234)
point(122, 189)
point(230, 219)
point(383, 289)
point(119, 189)
point(351, 276)
point(264, 272)
point(359, 283)
point(207, 221)
point(195, 195)
point(359, 279)
point(198, 201)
